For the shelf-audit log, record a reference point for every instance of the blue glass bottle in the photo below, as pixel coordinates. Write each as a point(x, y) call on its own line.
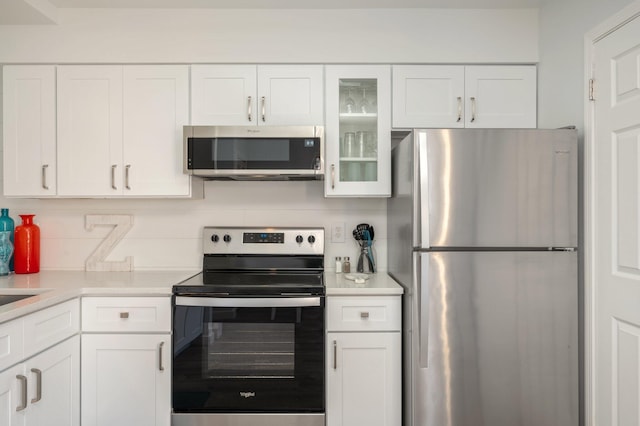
point(7, 224)
point(6, 251)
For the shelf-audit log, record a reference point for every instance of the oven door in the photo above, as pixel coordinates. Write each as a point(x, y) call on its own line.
point(248, 355)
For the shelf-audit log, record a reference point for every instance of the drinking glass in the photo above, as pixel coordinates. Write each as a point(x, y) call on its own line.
point(349, 103)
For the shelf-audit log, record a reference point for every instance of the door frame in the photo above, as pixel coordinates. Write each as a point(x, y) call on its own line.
point(603, 29)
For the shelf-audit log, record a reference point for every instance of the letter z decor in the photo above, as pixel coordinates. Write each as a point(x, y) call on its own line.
point(122, 223)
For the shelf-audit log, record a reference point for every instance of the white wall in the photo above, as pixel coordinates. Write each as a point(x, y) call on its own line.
point(563, 24)
point(167, 233)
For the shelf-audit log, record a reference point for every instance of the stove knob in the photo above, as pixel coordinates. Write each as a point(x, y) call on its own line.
point(226, 238)
point(299, 239)
point(311, 239)
point(215, 238)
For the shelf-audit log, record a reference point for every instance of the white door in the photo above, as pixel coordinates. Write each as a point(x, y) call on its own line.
point(428, 96)
point(290, 95)
point(615, 227)
point(156, 106)
point(11, 396)
point(54, 399)
point(29, 115)
point(499, 96)
point(364, 379)
point(223, 95)
point(90, 130)
point(126, 380)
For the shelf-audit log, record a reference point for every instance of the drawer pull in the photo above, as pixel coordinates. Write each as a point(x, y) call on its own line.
point(124, 315)
point(335, 354)
point(160, 366)
point(364, 315)
point(38, 385)
point(23, 393)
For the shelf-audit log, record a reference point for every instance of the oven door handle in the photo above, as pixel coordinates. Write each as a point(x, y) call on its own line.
point(248, 302)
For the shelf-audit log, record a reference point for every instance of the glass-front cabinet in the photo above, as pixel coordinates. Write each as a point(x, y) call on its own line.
point(358, 131)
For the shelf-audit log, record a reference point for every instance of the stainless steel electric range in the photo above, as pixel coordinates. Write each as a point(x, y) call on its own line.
point(248, 332)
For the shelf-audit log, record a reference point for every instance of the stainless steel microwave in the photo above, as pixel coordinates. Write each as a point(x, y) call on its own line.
point(252, 152)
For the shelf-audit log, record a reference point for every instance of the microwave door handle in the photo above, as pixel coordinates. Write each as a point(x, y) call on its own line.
point(249, 302)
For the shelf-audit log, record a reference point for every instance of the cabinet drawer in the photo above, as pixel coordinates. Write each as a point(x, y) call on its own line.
point(124, 314)
point(11, 344)
point(380, 313)
point(50, 326)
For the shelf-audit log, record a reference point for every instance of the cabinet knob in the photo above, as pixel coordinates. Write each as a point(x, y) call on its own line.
point(364, 315)
point(124, 315)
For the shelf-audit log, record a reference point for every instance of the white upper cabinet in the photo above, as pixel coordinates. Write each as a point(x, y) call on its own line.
point(90, 130)
point(358, 131)
point(120, 130)
point(244, 95)
point(156, 106)
point(428, 96)
point(500, 96)
point(29, 130)
point(482, 96)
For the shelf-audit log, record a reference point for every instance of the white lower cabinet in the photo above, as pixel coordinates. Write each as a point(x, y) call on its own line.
point(126, 361)
point(44, 390)
point(364, 382)
point(126, 380)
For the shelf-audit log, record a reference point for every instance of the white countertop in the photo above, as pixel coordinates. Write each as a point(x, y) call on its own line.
point(53, 287)
point(378, 284)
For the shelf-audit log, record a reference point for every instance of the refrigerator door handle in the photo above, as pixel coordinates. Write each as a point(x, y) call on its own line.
point(421, 272)
point(421, 185)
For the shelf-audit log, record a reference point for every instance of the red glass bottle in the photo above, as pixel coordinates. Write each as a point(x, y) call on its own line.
point(27, 246)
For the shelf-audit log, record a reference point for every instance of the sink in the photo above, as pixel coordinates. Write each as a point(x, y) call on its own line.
point(10, 298)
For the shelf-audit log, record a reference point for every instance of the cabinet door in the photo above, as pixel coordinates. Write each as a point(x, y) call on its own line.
point(428, 96)
point(357, 133)
point(11, 397)
point(29, 131)
point(364, 379)
point(90, 130)
point(54, 385)
point(223, 95)
point(126, 380)
point(290, 95)
point(156, 106)
point(500, 96)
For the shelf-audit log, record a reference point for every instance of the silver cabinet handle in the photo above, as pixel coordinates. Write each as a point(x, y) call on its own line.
point(333, 176)
point(38, 385)
point(160, 366)
point(249, 108)
point(23, 381)
point(126, 176)
point(113, 176)
point(473, 109)
point(459, 109)
point(124, 315)
point(44, 176)
point(335, 354)
point(264, 108)
point(364, 315)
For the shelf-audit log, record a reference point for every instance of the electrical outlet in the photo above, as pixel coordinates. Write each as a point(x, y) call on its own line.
point(337, 232)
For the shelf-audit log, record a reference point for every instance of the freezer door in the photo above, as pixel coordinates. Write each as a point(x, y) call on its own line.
point(497, 188)
point(502, 347)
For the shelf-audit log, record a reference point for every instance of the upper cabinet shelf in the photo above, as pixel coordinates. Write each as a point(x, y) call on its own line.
point(262, 95)
point(476, 96)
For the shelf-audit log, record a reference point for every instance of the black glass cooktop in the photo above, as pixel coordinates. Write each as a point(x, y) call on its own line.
point(252, 283)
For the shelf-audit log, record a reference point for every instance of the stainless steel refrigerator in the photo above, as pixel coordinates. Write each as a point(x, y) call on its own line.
point(482, 234)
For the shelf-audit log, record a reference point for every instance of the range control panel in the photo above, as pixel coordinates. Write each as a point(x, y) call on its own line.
point(231, 240)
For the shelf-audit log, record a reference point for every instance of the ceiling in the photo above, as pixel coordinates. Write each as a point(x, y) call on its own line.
point(45, 12)
point(296, 4)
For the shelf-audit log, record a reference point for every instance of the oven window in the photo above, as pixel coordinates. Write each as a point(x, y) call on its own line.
point(250, 350)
